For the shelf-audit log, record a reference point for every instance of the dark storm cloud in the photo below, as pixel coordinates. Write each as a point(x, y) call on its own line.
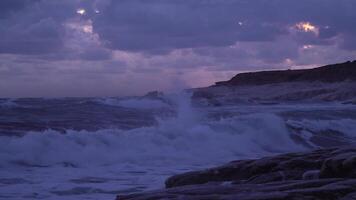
point(159, 26)
point(95, 54)
point(41, 37)
point(10, 6)
point(148, 26)
point(33, 27)
point(138, 25)
point(55, 44)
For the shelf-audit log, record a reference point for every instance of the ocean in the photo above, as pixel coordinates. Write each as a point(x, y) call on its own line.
point(96, 148)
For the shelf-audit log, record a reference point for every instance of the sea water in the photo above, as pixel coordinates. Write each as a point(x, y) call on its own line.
point(96, 148)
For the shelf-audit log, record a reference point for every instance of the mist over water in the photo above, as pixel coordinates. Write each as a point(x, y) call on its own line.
point(50, 158)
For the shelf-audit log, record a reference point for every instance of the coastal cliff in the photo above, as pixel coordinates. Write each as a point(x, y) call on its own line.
point(331, 83)
point(328, 74)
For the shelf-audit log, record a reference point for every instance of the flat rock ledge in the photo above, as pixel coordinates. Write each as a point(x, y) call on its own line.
point(324, 174)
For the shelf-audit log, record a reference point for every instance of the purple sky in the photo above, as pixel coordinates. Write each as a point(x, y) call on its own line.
point(56, 48)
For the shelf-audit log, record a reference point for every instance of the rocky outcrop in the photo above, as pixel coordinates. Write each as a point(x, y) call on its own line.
point(288, 92)
point(331, 83)
point(330, 73)
point(321, 174)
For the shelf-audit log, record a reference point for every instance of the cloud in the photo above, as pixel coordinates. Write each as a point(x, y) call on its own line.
point(168, 25)
point(124, 45)
point(8, 7)
point(158, 27)
point(150, 26)
point(31, 27)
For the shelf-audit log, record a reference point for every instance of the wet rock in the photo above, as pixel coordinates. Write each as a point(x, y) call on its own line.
point(312, 174)
point(288, 166)
point(320, 189)
point(351, 196)
point(321, 174)
point(341, 165)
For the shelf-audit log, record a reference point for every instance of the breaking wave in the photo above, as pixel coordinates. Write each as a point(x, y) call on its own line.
point(344, 127)
point(133, 103)
point(184, 139)
point(189, 137)
point(8, 103)
point(73, 162)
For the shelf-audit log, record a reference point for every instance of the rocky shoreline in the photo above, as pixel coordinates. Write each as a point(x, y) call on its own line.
point(319, 174)
point(331, 83)
point(329, 74)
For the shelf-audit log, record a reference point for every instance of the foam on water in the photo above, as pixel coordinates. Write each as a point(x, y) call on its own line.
point(133, 103)
point(100, 164)
point(8, 103)
point(342, 126)
point(185, 139)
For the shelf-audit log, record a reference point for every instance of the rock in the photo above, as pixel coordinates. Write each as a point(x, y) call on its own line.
point(341, 165)
point(320, 189)
point(291, 166)
point(312, 174)
point(330, 73)
point(351, 196)
point(320, 174)
point(331, 83)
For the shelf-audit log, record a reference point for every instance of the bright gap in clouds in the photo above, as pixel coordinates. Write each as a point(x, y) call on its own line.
point(307, 27)
point(81, 11)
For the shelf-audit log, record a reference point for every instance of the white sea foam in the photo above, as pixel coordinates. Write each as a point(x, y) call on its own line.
point(186, 138)
point(343, 126)
point(8, 103)
point(142, 158)
point(138, 103)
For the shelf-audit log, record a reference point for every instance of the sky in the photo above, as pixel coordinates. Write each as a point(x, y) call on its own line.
point(78, 48)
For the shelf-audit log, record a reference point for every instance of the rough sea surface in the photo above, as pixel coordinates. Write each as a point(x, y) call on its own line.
point(96, 148)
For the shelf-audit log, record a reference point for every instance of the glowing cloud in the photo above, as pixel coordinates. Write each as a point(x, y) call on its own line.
point(87, 28)
point(81, 11)
point(81, 26)
point(288, 61)
point(307, 46)
point(307, 27)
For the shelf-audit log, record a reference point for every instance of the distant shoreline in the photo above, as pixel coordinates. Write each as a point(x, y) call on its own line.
point(329, 74)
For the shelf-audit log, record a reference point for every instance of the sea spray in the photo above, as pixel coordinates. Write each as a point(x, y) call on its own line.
point(8, 103)
point(187, 138)
point(135, 103)
point(100, 163)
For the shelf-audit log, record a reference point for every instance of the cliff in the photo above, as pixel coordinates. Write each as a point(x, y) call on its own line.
point(329, 73)
point(331, 83)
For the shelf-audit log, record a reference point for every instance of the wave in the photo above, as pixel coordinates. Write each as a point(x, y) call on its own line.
point(135, 103)
point(8, 103)
point(344, 127)
point(178, 140)
point(189, 137)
